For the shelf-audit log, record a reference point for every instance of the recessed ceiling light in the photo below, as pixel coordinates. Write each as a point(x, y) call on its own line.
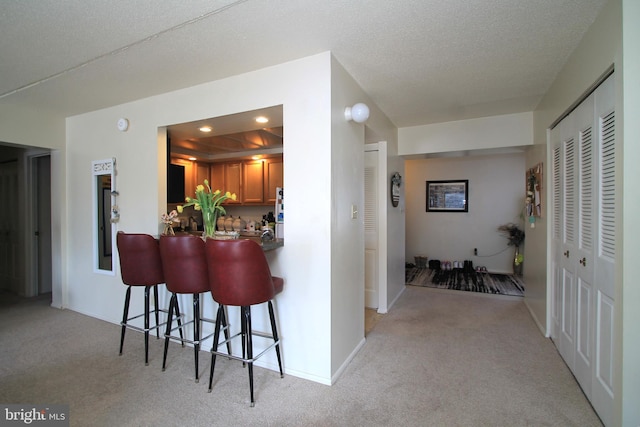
point(206, 129)
point(193, 159)
point(262, 119)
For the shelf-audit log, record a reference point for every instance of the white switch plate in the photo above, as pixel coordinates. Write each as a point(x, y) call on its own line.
point(354, 212)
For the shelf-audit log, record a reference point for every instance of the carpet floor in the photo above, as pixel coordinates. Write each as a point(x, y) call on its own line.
point(458, 279)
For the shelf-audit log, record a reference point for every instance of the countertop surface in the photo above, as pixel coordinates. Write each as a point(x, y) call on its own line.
point(266, 246)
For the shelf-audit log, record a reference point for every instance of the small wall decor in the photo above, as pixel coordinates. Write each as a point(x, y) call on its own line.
point(533, 203)
point(448, 196)
point(396, 181)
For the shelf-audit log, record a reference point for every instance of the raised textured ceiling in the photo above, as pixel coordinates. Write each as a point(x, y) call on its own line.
point(421, 61)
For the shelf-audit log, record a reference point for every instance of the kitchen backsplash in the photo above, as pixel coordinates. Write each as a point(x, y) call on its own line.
point(248, 213)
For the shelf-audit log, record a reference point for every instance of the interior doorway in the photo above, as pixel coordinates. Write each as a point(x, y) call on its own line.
point(9, 271)
point(41, 184)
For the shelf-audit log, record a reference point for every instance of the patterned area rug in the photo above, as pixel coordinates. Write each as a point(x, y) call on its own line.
point(458, 279)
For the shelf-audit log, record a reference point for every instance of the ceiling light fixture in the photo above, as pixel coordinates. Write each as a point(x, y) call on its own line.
point(359, 113)
point(262, 119)
point(206, 129)
point(193, 159)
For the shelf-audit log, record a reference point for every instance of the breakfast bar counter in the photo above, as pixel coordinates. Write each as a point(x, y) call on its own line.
point(267, 245)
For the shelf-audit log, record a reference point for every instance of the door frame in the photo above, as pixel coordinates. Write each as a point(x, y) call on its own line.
point(381, 148)
point(31, 285)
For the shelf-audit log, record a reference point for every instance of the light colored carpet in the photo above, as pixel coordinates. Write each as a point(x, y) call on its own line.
point(438, 358)
point(371, 318)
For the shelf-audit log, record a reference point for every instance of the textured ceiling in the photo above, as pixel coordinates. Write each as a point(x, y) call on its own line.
point(421, 61)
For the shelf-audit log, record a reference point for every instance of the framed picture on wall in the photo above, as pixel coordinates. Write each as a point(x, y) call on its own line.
point(448, 196)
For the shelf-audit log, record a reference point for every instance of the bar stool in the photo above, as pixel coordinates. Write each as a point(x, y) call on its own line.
point(185, 271)
point(140, 265)
point(239, 276)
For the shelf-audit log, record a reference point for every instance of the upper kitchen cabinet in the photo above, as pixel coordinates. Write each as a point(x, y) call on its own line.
point(253, 174)
point(202, 172)
point(261, 178)
point(233, 180)
point(273, 178)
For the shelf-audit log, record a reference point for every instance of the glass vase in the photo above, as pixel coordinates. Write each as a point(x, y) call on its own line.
point(209, 219)
point(517, 262)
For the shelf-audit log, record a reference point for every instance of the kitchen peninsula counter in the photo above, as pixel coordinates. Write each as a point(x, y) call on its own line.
point(268, 245)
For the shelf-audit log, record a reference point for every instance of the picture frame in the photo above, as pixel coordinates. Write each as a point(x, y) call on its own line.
point(448, 196)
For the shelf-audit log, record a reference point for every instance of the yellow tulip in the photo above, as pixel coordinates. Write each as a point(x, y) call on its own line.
point(200, 188)
point(180, 208)
point(234, 197)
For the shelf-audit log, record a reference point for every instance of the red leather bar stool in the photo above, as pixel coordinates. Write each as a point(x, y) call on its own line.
point(140, 265)
point(239, 275)
point(185, 272)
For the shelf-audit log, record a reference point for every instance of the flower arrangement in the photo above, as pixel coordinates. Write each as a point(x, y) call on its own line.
point(513, 233)
point(516, 237)
point(209, 202)
point(168, 220)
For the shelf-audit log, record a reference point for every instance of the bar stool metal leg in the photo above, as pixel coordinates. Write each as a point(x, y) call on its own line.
point(172, 308)
point(216, 340)
point(127, 299)
point(146, 325)
point(246, 319)
point(274, 331)
point(196, 331)
point(155, 297)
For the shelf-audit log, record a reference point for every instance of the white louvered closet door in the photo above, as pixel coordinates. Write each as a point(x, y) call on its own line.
point(583, 244)
point(605, 254)
point(583, 255)
point(567, 242)
point(371, 279)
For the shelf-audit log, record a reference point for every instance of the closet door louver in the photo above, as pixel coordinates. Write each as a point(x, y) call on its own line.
point(607, 188)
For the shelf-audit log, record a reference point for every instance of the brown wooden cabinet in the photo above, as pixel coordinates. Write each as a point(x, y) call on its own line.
point(261, 178)
point(216, 173)
point(233, 180)
point(273, 178)
point(202, 172)
point(253, 174)
point(253, 181)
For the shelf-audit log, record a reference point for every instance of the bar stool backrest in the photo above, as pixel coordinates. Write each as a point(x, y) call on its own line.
point(184, 264)
point(239, 273)
point(140, 263)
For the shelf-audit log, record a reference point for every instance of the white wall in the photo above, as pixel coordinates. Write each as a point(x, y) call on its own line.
point(627, 283)
point(396, 227)
point(303, 88)
point(347, 245)
point(496, 197)
point(30, 127)
point(509, 130)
